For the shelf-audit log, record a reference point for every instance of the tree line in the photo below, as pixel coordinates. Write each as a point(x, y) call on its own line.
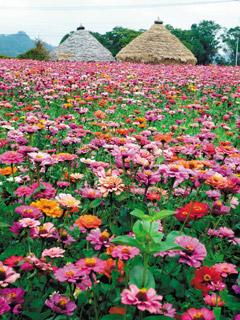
point(208, 41)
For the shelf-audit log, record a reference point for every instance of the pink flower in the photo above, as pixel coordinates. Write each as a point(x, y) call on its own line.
point(55, 252)
point(67, 200)
point(4, 307)
point(61, 304)
point(167, 310)
point(213, 300)
point(11, 157)
point(98, 239)
point(194, 252)
point(39, 157)
point(143, 299)
point(29, 212)
point(7, 275)
point(24, 191)
point(193, 314)
point(225, 269)
point(124, 252)
point(46, 230)
point(93, 264)
point(28, 223)
point(69, 273)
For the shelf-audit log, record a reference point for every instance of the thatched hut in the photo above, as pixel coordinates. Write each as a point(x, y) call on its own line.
point(157, 45)
point(81, 46)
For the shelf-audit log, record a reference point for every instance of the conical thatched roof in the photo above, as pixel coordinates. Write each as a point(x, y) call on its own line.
point(81, 46)
point(157, 45)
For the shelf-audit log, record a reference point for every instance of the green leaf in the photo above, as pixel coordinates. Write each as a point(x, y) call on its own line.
point(126, 240)
point(4, 225)
point(113, 317)
point(95, 203)
point(217, 313)
point(139, 214)
point(136, 277)
point(162, 214)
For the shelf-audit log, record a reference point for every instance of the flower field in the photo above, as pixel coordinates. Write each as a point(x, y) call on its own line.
point(119, 191)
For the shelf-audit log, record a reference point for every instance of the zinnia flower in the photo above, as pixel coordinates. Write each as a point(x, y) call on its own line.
point(124, 252)
point(111, 184)
point(205, 278)
point(7, 275)
point(194, 252)
point(143, 299)
point(4, 307)
point(69, 273)
point(192, 211)
point(198, 314)
point(98, 239)
point(55, 252)
point(87, 265)
point(88, 221)
point(67, 200)
point(49, 207)
point(61, 304)
point(11, 157)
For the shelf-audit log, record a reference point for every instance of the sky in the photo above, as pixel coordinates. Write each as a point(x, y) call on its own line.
point(50, 20)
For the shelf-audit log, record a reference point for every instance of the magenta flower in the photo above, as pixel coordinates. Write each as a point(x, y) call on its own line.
point(13, 296)
point(193, 314)
point(69, 273)
point(194, 252)
point(4, 307)
point(143, 299)
point(61, 304)
point(98, 239)
point(124, 252)
point(11, 157)
point(29, 212)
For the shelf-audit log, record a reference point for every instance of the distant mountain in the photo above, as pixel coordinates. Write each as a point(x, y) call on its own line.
point(12, 45)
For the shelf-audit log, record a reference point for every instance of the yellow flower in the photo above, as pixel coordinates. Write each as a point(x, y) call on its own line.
point(49, 207)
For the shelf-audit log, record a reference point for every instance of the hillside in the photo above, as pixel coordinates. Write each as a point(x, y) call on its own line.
point(14, 44)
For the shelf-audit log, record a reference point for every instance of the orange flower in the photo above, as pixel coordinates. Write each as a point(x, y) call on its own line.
point(88, 221)
point(7, 171)
point(110, 265)
point(164, 138)
point(100, 114)
point(217, 181)
point(117, 310)
point(49, 207)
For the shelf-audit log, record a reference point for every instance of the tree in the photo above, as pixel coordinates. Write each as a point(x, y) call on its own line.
point(116, 39)
point(37, 53)
point(230, 38)
point(206, 32)
point(202, 39)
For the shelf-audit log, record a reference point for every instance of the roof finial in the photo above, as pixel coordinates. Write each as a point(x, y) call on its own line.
point(158, 21)
point(81, 27)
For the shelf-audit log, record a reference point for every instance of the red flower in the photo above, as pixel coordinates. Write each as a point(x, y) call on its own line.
point(205, 279)
point(192, 211)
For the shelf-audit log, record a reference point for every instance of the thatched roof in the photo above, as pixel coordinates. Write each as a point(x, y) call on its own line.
point(157, 45)
point(81, 46)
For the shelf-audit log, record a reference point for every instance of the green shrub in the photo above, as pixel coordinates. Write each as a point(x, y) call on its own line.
point(37, 53)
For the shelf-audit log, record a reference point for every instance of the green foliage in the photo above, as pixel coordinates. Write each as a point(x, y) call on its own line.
point(229, 38)
point(37, 53)
point(117, 38)
point(202, 39)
